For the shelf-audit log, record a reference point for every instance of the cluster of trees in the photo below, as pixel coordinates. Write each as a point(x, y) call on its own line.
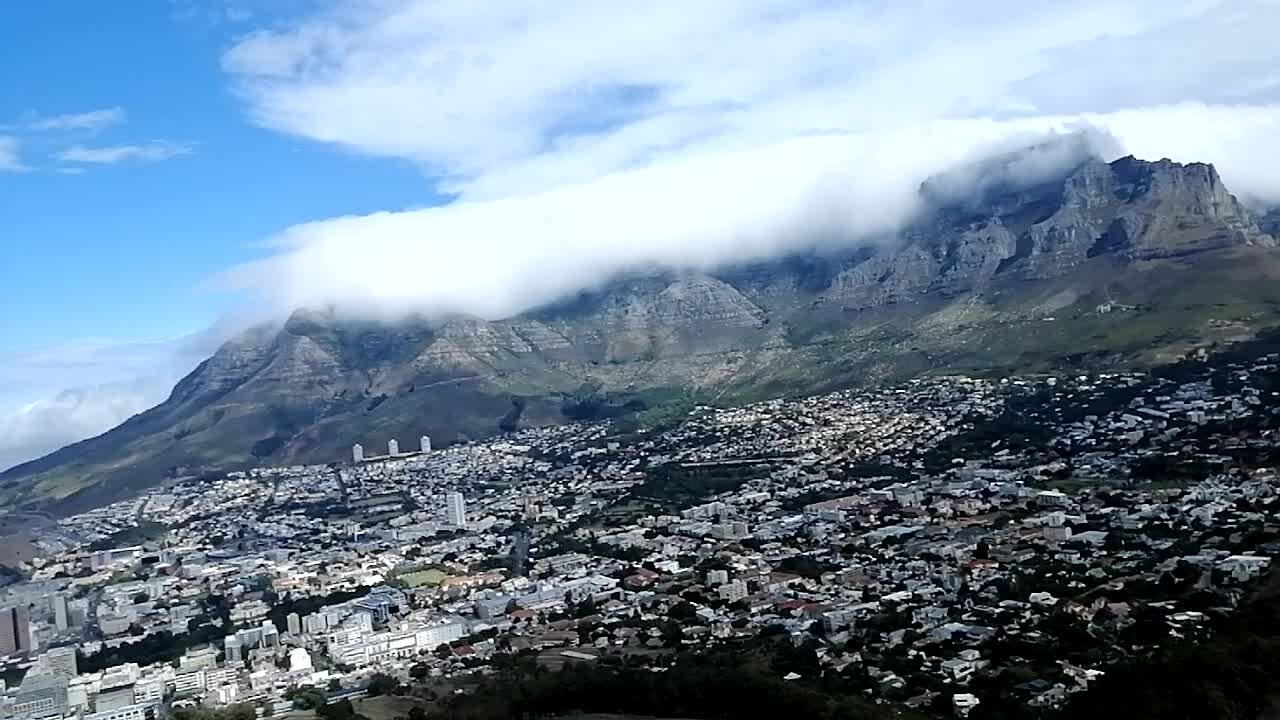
point(735, 682)
point(144, 531)
point(158, 647)
point(1232, 676)
point(304, 606)
point(686, 486)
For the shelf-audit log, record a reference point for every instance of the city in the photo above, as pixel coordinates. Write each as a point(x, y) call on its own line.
point(937, 540)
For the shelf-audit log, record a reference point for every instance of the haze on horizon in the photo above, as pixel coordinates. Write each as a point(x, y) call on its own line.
point(559, 145)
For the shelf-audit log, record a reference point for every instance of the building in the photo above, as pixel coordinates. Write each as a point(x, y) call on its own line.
point(232, 649)
point(114, 698)
point(40, 697)
point(270, 635)
point(61, 613)
point(315, 624)
point(197, 658)
point(455, 509)
point(294, 624)
point(299, 660)
point(426, 444)
point(430, 638)
point(357, 453)
point(189, 682)
point(733, 591)
point(58, 662)
point(15, 632)
point(141, 711)
point(393, 447)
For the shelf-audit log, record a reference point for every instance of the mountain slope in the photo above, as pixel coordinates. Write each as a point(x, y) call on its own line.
point(1129, 262)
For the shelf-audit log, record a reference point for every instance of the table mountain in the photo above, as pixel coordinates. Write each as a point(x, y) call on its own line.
point(1128, 262)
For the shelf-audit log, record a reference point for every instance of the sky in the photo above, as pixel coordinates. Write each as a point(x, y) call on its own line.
point(172, 170)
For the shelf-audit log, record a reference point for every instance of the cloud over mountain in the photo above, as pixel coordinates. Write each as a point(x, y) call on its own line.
point(578, 139)
point(583, 139)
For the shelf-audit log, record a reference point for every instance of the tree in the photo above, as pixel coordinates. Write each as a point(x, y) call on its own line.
point(682, 611)
point(382, 684)
point(419, 671)
point(140, 598)
point(306, 697)
point(341, 710)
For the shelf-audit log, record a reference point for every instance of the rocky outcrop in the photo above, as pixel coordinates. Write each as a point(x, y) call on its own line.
point(1129, 208)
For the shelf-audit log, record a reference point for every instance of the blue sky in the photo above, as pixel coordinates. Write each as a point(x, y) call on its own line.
point(125, 250)
point(169, 167)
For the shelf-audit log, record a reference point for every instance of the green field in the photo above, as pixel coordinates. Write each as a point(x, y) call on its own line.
point(419, 578)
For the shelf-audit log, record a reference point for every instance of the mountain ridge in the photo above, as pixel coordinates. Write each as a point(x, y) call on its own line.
point(975, 283)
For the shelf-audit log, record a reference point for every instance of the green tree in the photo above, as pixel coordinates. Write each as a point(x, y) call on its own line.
point(382, 684)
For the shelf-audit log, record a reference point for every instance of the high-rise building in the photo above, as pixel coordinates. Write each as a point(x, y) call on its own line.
point(61, 613)
point(59, 662)
point(455, 509)
point(426, 444)
point(15, 630)
point(294, 623)
point(232, 649)
point(357, 453)
point(393, 447)
point(270, 635)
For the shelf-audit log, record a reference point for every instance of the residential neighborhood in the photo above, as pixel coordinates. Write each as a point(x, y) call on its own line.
point(950, 543)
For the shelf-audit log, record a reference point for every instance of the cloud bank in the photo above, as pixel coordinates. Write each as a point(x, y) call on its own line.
point(583, 138)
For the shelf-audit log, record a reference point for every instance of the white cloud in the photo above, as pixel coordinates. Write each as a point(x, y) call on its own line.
point(109, 155)
point(511, 97)
point(583, 138)
point(11, 155)
point(40, 427)
point(115, 380)
point(92, 120)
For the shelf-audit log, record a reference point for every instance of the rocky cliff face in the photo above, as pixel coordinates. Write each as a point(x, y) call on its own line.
point(1133, 209)
point(309, 389)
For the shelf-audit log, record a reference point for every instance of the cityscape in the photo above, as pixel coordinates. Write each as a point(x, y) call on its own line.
point(935, 540)
point(597, 360)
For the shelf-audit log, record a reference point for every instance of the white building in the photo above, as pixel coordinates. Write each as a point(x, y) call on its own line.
point(140, 711)
point(231, 648)
point(357, 453)
point(58, 662)
point(393, 447)
point(299, 660)
point(61, 614)
point(426, 444)
point(733, 591)
point(455, 509)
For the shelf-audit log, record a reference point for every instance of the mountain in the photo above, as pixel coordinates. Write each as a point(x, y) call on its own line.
point(1126, 263)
